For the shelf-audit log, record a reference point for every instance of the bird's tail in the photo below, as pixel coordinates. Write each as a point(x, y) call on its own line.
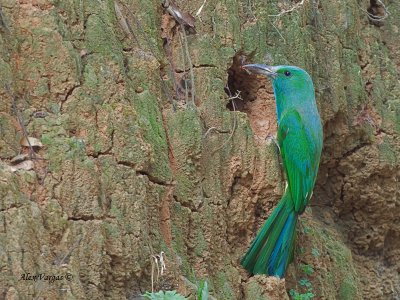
point(272, 249)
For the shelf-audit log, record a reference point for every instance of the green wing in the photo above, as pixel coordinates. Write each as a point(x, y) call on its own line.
point(300, 156)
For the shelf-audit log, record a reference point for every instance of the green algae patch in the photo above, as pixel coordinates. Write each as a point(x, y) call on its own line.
point(185, 136)
point(348, 289)
point(10, 137)
point(101, 39)
point(387, 151)
point(254, 291)
point(181, 216)
point(222, 286)
point(151, 121)
point(337, 276)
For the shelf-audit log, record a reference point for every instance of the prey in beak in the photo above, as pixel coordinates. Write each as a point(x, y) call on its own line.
point(268, 71)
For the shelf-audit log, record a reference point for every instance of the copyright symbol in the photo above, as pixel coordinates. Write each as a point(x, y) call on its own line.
point(68, 276)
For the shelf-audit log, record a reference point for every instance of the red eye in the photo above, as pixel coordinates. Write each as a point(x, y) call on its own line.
point(287, 73)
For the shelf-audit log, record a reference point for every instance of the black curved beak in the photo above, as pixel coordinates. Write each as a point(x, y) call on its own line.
point(268, 71)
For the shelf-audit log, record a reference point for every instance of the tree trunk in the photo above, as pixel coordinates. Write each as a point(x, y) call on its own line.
point(150, 138)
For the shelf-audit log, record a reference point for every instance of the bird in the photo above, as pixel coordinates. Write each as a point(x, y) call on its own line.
point(300, 140)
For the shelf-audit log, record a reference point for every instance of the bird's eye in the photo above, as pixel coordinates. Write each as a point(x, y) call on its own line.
point(287, 73)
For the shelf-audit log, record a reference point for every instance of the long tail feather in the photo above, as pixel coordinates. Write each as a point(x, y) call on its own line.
point(272, 249)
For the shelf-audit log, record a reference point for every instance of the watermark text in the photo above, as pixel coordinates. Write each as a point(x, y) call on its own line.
point(50, 278)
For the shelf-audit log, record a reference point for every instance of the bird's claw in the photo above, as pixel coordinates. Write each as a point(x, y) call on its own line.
point(273, 139)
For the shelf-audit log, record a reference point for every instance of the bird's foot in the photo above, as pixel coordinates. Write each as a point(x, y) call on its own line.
point(272, 139)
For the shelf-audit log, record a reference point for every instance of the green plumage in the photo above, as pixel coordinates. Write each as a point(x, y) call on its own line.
point(300, 142)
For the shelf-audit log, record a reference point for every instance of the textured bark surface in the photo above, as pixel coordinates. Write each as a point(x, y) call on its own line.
point(123, 176)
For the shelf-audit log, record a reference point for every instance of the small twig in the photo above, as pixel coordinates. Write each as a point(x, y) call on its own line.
point(208, 131)
point(192, 86)
point(162, 262)
point(214, 24)
point(155, 259)
point(140, 27)
point(122, 20)
point(200, 9)
point(152, 270)
point(214, 129)
point(277, 30)
point(168, 53)
point(158, 268)
point(183, 19)
point(32, 154)
point(184, 69)
point(295, 7)
point(149, 46)
point(237, 96)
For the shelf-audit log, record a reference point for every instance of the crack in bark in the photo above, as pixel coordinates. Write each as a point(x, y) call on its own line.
point(152, 178)
point(13, 205)
point(195, 67)
point(188, 205)
point(67, 95)
point(54, 186)
point(89, 218)
point(353, 150)
point(126, 164)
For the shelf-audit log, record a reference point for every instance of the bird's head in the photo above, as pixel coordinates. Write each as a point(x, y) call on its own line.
point(284, 78)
